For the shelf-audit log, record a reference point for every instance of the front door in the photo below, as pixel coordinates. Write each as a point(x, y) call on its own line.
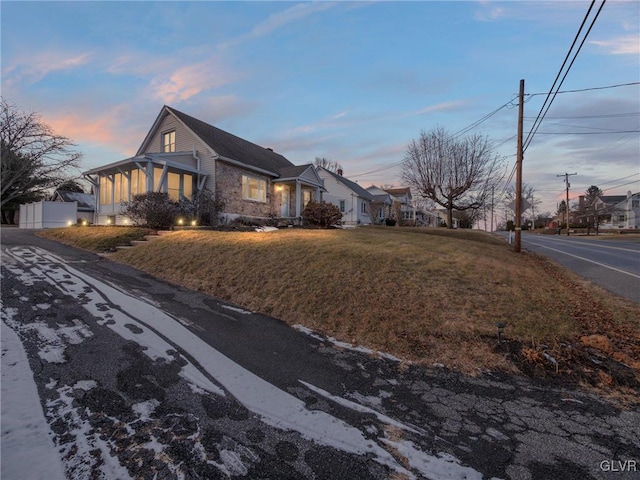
point(285, 197)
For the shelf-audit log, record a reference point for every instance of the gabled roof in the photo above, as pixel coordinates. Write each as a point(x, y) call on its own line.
point(85, 200)
point(379, 195)
point(361, 192)
point(398, 191)
point(225, 144)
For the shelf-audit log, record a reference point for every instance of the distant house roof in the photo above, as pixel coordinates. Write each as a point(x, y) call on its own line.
point(398, 192)
point(235, 148)
point(361, 192)
point(613, 199)
point(379, 195)
point(86, 201)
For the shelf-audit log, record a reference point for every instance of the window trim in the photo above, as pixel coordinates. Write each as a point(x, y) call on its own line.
point(171, 134)
point(261, 188)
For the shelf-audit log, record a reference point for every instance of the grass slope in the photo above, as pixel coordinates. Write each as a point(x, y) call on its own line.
point(431, 296)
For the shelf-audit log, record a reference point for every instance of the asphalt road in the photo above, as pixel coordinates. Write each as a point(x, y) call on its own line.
point(138, 378)
point(613, 264)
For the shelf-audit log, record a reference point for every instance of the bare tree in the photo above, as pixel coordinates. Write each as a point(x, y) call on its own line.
point(34, 158)
point(455, 173)
point(528, 194)
point(327, 164)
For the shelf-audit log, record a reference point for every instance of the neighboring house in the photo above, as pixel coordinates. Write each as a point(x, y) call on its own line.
point(380, 205)
point(181, 155)
point(85, 201)
point(403, 204)
point(441, 217)
point(353, 201)
point(625, 213)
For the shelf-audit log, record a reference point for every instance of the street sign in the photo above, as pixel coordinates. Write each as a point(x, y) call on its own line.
point(524, 205)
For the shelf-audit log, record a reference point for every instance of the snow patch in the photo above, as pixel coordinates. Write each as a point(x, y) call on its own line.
point(145, 409)
point(443, 466)
point(345, 345)
point(28, 449)
point(236, 309)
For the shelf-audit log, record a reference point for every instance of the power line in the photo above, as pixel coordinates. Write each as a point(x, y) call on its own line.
point(457, 134)
point(590, 88)
point(623, 185)
point(588, 133)
point(550, 98)
point(608, 115)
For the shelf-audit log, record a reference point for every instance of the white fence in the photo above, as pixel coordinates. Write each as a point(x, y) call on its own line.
point(48, 214)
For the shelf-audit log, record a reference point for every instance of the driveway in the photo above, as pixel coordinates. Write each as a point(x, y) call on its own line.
point(110, 373)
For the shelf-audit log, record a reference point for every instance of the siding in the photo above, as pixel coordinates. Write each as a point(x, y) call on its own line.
point(337, 191)
point(185, 142)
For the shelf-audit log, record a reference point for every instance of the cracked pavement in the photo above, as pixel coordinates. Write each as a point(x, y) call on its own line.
point(127, 394)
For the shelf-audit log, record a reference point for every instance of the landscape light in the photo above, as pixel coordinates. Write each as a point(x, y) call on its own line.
point(180, 221)
point(108, 221)
point(500, 326)
point(69, 223)
point(193, 223)
point(84, 223)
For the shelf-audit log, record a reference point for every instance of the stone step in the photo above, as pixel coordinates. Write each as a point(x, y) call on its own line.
point(123, 247)
point(137, 242)
point(151, 237)
point(164, 232)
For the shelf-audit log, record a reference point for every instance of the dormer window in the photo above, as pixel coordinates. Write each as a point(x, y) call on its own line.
point(169, 142)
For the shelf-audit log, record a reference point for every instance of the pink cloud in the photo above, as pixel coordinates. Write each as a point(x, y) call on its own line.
point(105, 129)
point(188, 81)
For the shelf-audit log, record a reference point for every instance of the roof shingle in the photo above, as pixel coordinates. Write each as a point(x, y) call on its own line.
point(232, 147)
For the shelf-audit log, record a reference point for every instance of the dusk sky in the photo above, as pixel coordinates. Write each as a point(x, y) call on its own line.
point(354, 82)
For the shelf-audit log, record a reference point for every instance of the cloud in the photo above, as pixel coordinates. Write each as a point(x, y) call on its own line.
point(104, 128)
point(625, 45)
point(278, 20)
point(190, 80)
point(441, 107)
point(291, 14)
point(38, 66)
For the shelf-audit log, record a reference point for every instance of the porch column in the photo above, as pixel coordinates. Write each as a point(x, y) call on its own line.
point(298, 199)
point(318, 194)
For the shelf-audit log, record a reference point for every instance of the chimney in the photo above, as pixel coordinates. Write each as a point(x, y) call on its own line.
point(270, 149)
point(340, 171)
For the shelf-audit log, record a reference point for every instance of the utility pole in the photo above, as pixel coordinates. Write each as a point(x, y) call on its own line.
point(492, 209)
point(566, 180)
point(518, 209)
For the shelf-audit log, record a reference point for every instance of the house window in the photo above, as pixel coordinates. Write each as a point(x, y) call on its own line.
point(169, 142)
point(187, 186)
point(342, 206)
point(363, 207)
point(106, 191)
point(306, 197)
point(157, 176)
point(138, 182)
point(254, 188)
point(635, 203)
point(621, 218)
point(173, 186)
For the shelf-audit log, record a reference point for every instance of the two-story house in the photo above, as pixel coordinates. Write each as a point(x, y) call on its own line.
point(181, 155)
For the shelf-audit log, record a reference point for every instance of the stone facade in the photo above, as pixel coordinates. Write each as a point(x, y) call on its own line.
point(229, 186)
